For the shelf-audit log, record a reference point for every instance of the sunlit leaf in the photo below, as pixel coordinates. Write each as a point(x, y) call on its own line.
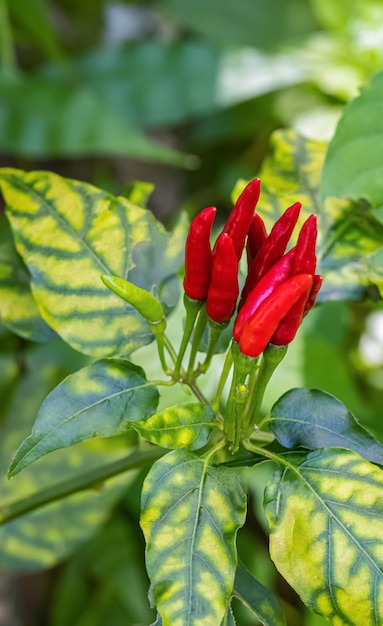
point(257, 598)
point(183, 426)
point(354, 162)
point(68, 234)
point(326, 519)
point(97, 401)
point(190, 516)
point(314, 419)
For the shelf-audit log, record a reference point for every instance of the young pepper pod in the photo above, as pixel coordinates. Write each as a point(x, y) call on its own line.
point(198, 255)
point(143, 301)
point(223, 289)
point(260, 328)
point(240, 218)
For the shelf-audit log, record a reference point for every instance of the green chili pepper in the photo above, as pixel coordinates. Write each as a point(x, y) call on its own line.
point(144, 302)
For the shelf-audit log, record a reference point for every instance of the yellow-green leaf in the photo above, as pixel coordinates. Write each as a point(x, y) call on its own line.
point(18, 309)
point(100, 400)
point(190, 516)
point(325, 512)
point(183, 426)
point(68, 234)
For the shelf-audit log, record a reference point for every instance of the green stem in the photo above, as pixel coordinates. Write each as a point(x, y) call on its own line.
point(169, 346)
point(87, 480)
point(192, 309)
point(222, 381)
point(7, 52)
point(272, 356)
point(238, 397)
point(197, 338)
point(160, 338)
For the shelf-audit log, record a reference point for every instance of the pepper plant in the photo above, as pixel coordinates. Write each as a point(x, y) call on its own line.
point(103, 274)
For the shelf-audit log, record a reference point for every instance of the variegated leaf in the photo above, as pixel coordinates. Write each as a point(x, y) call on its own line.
point(325, 511)
point(68, 234)
point(191, 512)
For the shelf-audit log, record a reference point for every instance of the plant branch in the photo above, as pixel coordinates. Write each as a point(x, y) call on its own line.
point(87, 480)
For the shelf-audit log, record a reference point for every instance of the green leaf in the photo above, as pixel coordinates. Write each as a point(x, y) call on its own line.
point(257, 598)
point(18, 309)
point(190, 516)
point(68, 234)
point(251, 23)
point(97, 401)
point(188, 79)
point(66, 119)
point(354, 161)
point(314, 419)
point(183, 426)
point(326, 522)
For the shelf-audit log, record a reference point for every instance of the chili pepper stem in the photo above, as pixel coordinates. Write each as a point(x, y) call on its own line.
point(222, 381)
point(199, 330)
point(192, 308)
point(272, 357)
point(238, 397)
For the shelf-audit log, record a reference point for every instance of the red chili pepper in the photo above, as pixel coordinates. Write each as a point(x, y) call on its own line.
point(278, 274)
point(239, 221)
point(305, 259)
point(198, 255)
point(317, 284)
point(223, 289)
point(272, 248)
point(257, 235)
point(288, 327)
point(260, 328)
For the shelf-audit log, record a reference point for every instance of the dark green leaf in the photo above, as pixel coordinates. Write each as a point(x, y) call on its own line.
point(257, 598)
point(68, 234)
point(314, 419)
point(182, 426)
point(190, 516)
point(98, 401)
point(326, 522)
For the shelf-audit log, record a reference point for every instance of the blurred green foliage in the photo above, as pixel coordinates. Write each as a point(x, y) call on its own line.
point(186, 95)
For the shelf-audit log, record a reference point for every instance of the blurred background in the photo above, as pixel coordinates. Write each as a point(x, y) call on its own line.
point(184, 95)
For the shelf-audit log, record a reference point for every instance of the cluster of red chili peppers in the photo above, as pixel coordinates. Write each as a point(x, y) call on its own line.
point(280, 287)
